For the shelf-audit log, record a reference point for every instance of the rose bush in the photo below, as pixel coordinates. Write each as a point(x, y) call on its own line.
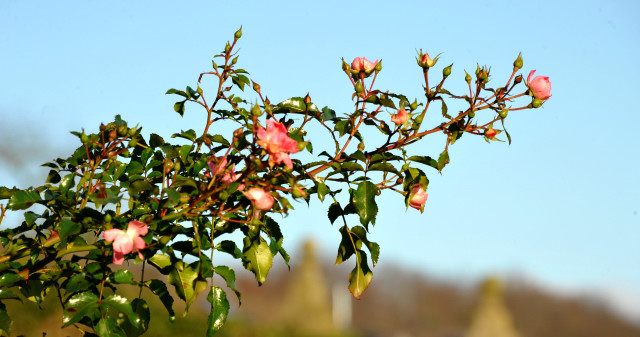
point(173, 203)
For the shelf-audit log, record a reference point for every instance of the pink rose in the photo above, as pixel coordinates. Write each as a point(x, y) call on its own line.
point(417, 197)
point(260, 198)
point(401, 117)
point(361, 64)
point(219, 169)
point(540, 86)
point(275, 140)
point(126, 242)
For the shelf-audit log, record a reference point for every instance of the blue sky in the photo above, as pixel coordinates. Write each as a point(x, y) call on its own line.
point(560, 204)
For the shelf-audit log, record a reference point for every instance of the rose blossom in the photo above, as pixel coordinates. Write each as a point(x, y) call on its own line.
point(275, 140)
point(218, 169)
point(401, 117)
point(260, 198)
point(490, 132)
point(361, 64)
point(540, 86)
point(417, 197)
point(126, 242)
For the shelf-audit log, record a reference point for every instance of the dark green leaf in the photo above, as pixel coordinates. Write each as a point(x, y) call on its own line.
point(77, 282)
point(177, 92)
point(346, 247)
point(257, 258)
point(229, 277)
point(155, 140)
point(67, 228)
point(53, 177)
point(159, 288)
point(108, 327)
point(373, 247)
point(360, 277)
point(189, 134)
point(384, 167)
point(23, 199)
point(122, 305)
point(364, 200)
point(182, 277)
point(443, 160)
point(219, 310)
point(141, 308)
point(78, 306)
point(8, 279)
point(230, 248)
point(328, 114)
point(334, 212)
point(425, 160)
point(123, 276)
point(322, 190)
point(179, 107)
point(5, 322)
point(294, 104)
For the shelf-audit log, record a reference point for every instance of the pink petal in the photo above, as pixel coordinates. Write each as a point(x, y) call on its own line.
point(118, 258)
point(111, 234)
point(138, 243)
point(530, 76)
point(123, 244)
point(140, 227)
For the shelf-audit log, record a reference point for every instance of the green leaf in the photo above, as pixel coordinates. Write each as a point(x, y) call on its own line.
point(179, 107)
point(161, 262)
point(360, 277)
point(8, 295)
point(328, 114)
point(257, 258)
point(364, 200)
point(123, 276)
point(220, 139)
point(322, 190)
point(5, 322)
point(141, 308)
point(79, 306)
point(445, 110)
point(182, 277)
point(108, 327)
point(346, 247)
point(9, 279)
point(240, 81)
point(219, 310)
point(53, 177)
point(230, 248)
point(66, 183)
point(67, 228)
point(334, 212)
point(373, 247)
point(343, 127)
point(122, 305)
point(229, 277)
point(155, 140)
point(184, 152)
point(443, 160)
point(294, 104)
point(425, 160)
point(350, 166)
point(159, 288)
point(23, 199)
point(384, 167)
point(189, 134)
point(177, 92)
point(77, 282)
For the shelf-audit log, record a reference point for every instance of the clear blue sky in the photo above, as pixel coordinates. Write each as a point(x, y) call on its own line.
point(560, 204)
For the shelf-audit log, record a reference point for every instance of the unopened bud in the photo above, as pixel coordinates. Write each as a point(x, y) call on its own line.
point(414, 105)
point(235, 60)
point(227, 48)
point(84, 138)
point(133, 142)
point(361, 147)
point(472, 114)
point(256, 110)
point(298, 192)
point(256, 87)
point(359, 87)
point(378, 66)
point(345, 67)
point(102, 127)
point(238, 33)
point(122, 130)
point(447, 71)
point(537, 102)
point(176, 166)
point(518, 79)
point(238, 133)
point(503, 113)
point(517, 64)
point(307, 99)
point(467, 77)
point(107, 218)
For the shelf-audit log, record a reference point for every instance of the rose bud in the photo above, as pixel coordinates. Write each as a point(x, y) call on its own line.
point(401, 117)
point(417, 197)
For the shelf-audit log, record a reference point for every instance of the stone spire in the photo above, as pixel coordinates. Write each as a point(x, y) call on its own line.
point(491, 317)
point(306, 306)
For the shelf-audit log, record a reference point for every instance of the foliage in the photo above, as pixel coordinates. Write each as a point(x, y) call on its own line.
point(174, 202)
